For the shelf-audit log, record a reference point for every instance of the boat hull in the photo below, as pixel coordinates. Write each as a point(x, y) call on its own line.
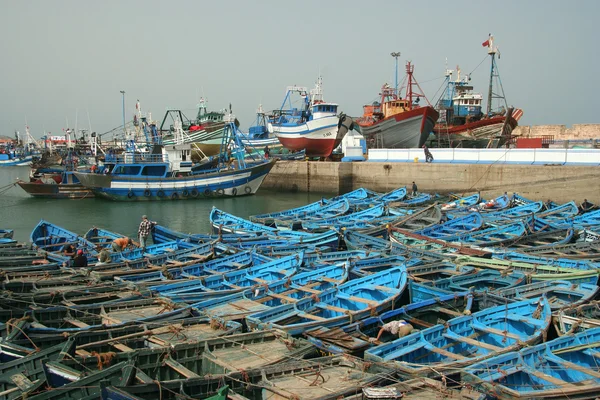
point(409, 129)
point(229, 183)
point(17, 162)
point(206, 142)
point(56, 191)
point(318, 138)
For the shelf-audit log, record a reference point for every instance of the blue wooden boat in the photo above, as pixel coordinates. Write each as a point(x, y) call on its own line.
point(290, 290)
point(351, 301)
point(359, 241)
point(50, 237)
point(551, 261)
point(330, 210)
point(386, 198)
point(15, 159)
point(563, 211)
point(372, 265)
point(357, 337)
point(162, 234)
point(461, 202)
point(6, 233)
point(329, 238)
point(355, 196)
point(565, 367)
point(463, 224)
point(324, 224)
point(101, 237)
point(312, 259)
point(492, 236)
point(588, 220)
point(513, 213)
point(560, 294)
point(216, 266)
point(466, 339)
point(234, 281)
point(290, 213)
point(474, 281)
point(543, 239)
point(579, 250)
point(413, 201)
point(519, 200)
point(169, 174)
point(571, 320)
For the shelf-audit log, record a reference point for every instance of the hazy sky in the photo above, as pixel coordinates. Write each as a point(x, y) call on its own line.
point(62, 59)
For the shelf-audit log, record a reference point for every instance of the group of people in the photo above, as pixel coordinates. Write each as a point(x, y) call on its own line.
point(79, 258)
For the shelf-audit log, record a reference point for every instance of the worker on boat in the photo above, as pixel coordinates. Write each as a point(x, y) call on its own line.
point(120, 244)
point(586, 205)
point(68, 250)
point(144, 230)
point(400, 328)
point(414, 189)
point(267, 152)
point(80, 260)
point(103, 256)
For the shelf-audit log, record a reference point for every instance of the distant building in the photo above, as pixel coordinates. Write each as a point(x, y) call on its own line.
point(4, 140)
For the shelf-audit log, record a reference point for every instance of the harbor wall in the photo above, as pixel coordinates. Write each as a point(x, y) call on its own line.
point(560, 132)
point(538, 182)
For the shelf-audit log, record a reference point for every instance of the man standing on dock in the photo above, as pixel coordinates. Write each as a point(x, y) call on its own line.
point(144, 230)
point(428, 155)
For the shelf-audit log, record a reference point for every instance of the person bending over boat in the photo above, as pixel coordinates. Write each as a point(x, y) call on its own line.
point(120, 244)
point(80, 260)
point(144, 230)
point(68, 250)
point(103, 256)
point(400, 328)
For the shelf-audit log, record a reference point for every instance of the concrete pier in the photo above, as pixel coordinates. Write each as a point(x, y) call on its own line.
point(538, 182)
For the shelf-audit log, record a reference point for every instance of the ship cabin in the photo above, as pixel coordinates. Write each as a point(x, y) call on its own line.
point(173, 160)
point(467, 104)
point(322, 110)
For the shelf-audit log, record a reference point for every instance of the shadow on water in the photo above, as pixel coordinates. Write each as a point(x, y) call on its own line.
point(21, 212)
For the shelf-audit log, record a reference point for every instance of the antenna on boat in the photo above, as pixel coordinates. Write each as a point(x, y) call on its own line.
point(396, 55)
point(410, 93)
point(492, 51)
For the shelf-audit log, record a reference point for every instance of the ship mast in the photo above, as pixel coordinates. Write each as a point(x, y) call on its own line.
point(409, 86)
point(492, 51)
point(396, 54)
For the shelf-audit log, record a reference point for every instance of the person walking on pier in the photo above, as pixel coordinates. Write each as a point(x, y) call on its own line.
point(428, 155)
point(414, 189)
point(144, 231)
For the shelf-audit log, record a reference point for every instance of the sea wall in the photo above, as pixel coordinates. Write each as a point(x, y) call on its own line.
point(560, 132)
point(539, 182)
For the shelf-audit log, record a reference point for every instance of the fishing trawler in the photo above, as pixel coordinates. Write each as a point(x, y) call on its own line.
point(463, 123)
point(397, 122)
point(315, 128)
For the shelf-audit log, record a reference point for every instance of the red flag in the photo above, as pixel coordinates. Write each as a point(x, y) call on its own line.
point(486, 43)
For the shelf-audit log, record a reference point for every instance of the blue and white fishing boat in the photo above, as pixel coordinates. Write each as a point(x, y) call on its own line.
point(386, 198)
point(348, 220)
point(463, 224)
point(565, 367)
point(461, 202)
point(50, 237)
point(445, 348)
point(351, 301)
point(161, 234)
point(167, 173)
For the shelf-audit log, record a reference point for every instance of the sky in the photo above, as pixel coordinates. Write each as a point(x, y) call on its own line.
point(67, 61)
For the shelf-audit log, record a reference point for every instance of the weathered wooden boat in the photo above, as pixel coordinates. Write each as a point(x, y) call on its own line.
point(422, 219)
point(312, 259)
point(418, 389)
point(126, 338)
point(565, 367)
point(473, 281)
point(328, 238)
point(86, 388)
point(412, 201)
point(353, 300)
point(357, 337)
point(588, 220)
point(583, 273)
point(386, 198)
point(298, 379)
point(461, 202)
point(161, 234)
point(290, 290)
point(576, 319)
point(552, 261)
point(513, 213)
point(402, 238)
point(50, 237)
point(560, 212)
point(363, 242)
point(6, 233)
point(581, 250)
point(371, 265)
point(432, 272)
point(560, 294)
point(218, 265)
point(328, 211)
point(319, 225)
point(464, 340)
point(234, 281)
point(62, 186)
point(545, 238)
point(26, 374)
point(101, 237)
point(463, 224)
point(80, 318)
point(297, 212)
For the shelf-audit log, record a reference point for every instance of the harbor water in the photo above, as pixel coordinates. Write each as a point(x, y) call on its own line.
point(21, 212)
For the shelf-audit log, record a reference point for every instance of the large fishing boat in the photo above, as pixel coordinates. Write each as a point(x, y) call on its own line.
point(205, 132)
point(168, 173)
point(315, 128)
point(397, 122)
point(463, 123)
